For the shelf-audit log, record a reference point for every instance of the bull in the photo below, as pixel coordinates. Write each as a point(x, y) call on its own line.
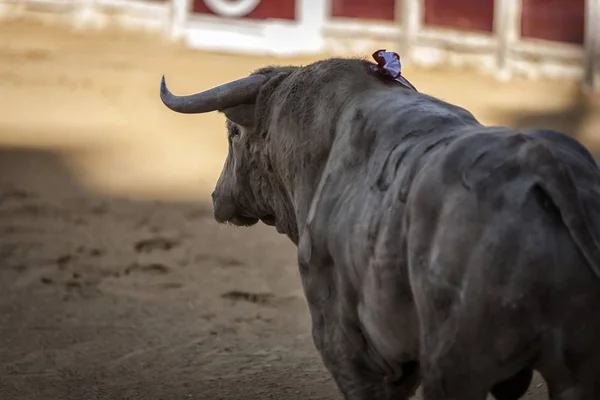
point(433, 250)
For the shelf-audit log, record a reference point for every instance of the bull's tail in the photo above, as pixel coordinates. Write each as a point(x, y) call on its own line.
point(557, 182)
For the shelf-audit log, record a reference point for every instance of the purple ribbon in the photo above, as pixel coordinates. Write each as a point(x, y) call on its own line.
point(388, 64)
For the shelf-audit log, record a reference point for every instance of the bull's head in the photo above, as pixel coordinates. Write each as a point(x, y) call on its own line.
point(247, 190)
point(281, 125)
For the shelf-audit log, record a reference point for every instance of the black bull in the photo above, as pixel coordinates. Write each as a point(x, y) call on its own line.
point(433, 250)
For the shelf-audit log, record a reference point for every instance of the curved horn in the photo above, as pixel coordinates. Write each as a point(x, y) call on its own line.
point(218, 98)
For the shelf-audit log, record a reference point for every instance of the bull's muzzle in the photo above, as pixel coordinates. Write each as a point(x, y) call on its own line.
point(225, 211)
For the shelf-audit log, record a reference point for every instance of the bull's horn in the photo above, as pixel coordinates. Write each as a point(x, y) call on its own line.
point(224, 96)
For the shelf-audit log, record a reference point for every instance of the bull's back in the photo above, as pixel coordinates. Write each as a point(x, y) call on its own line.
point(480, 182)
point(582, 168)
point(489, 251)
point(498, 278)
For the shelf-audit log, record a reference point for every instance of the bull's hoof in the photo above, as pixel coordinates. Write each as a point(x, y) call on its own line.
point(515, 387)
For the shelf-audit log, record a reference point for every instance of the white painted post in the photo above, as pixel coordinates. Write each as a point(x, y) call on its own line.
point(412, 19)
point(507, 29)
point(85, 17)
point(313, 13)
point(178, 18)
point(21, 7)
point(591, 45)
point(312, 16)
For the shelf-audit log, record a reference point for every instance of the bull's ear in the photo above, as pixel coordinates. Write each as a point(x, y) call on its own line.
point(242, 114)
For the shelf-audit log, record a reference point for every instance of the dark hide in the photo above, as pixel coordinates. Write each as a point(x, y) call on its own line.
point(432, 249)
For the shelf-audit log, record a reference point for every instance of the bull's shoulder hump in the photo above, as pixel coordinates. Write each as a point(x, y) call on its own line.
point(560, 142)
point(474, 157)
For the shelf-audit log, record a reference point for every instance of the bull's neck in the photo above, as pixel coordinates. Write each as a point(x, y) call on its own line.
point(303, 200)
point(299, 189)
point(303, 133)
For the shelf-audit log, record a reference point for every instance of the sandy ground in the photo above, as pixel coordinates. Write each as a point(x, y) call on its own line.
point(115, 282)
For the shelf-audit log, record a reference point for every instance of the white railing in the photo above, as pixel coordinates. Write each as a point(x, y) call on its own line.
point(134, 14)
point(503, 52)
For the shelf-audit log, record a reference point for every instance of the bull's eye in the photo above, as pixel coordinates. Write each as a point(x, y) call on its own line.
point(234, 131)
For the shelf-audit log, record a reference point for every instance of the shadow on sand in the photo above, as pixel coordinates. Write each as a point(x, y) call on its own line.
point(104, 298)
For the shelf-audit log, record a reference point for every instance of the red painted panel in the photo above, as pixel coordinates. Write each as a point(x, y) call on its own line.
point(372, 9)
point(469, 15)
point(281, 9)
point(556, 20)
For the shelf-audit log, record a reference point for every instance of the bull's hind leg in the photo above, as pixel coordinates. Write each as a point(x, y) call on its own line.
point(451, 362)
point(451, 365)
point(475, 324)
point(452, 384)
point(459, 368)
point(474, 334)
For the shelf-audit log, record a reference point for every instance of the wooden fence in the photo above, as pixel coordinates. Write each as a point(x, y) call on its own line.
point(534, 38)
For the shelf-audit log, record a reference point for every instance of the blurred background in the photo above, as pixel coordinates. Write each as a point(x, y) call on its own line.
point(115, 281)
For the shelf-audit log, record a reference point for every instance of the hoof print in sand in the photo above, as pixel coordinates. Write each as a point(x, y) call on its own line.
point(63, 261)
point(99, 209)
point(221, 261)
point(228, 262)
point(257, 298)
point(96, 252)
point(158, 243)
point(10, 192)
point(171, 285)
point(73, 284)
point(92, 252)
point(153, 268)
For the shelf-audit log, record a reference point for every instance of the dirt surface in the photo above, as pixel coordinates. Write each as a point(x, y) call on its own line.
point(115, 282)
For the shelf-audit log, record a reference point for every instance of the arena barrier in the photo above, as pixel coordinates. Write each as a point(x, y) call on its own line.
point(506, 38)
